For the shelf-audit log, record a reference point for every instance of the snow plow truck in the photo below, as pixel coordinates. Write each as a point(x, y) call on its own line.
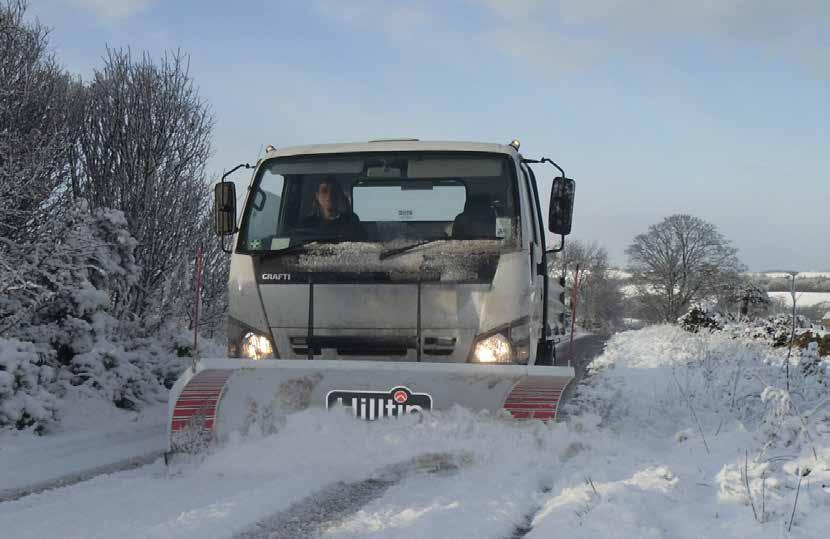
point(385, 278)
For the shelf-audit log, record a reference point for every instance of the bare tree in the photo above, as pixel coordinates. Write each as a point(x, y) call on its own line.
point(144, 144)
point(678, 261)
point(36, 131)
point(600, 305)
point(176, 300)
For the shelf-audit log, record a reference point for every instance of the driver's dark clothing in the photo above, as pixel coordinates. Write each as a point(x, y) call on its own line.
point(345, 225)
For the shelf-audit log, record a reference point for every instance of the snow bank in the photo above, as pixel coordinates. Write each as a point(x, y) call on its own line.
point(67, 322)
point(92, 434)
point(24, 399)
point(672, 435)
point(705, 431)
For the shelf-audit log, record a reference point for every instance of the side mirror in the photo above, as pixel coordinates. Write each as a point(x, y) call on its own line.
point(224, 208)
point(560, 216)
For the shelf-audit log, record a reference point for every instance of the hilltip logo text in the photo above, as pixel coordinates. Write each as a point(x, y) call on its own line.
point(371, 405)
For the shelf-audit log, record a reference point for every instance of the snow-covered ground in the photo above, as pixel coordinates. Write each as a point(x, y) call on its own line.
point(800, 275)
point(93, 436)
point(804, 299)
point(656, 445)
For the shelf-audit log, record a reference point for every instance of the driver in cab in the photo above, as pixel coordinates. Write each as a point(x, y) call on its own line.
point(332, 214)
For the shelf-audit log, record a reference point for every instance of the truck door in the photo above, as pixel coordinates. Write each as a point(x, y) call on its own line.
point(537, 253)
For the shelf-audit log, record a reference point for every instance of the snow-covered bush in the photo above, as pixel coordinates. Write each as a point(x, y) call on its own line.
point(700, 318)
point(714, 373)
point(67, 297)
point(774, 330)
point(25, 400)
point(84, 265)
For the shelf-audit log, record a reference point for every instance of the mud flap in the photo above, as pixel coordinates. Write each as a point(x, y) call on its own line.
point(226, 395)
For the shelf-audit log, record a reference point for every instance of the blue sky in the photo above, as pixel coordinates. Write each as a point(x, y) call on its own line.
point(716, 108)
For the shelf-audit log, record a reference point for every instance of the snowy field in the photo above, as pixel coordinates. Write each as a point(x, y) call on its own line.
point(803, 299)
point(672, 435)
point(800, 275)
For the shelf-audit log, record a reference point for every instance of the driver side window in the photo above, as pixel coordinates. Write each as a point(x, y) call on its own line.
point(265, 211)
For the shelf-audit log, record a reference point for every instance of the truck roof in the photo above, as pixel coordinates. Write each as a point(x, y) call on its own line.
point(393, 145)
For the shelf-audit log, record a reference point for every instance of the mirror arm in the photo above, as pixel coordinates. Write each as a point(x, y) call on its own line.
point(237, 167)
point(544, 160)
point(561, 246)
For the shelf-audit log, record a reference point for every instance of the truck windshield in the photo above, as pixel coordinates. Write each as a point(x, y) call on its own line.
point(380, 198)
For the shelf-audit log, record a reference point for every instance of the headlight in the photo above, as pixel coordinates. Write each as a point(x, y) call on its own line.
point(510, 344)
point(255, 346)
point(494, 349)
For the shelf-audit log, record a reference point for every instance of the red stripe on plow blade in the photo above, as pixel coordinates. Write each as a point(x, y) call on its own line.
point(530, 406)
point(196, 405)
point(185, 415)
point(178, 424)
point(535, 399)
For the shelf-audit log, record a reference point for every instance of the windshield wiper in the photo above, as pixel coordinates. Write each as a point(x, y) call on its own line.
point(398, 250)
point(298, 246)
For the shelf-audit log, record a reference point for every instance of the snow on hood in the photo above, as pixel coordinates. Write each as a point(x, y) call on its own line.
point(453, 260)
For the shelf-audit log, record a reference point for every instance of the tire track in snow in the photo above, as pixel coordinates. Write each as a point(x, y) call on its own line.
point(10, 495)
point(585, 350)
point(335, 503)
point(525, 527)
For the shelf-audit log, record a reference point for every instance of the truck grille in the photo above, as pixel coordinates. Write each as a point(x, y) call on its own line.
point(372, 346)
point(354, 346)
point(439, 346)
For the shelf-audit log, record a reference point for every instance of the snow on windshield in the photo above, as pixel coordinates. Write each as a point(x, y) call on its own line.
point(454, 260)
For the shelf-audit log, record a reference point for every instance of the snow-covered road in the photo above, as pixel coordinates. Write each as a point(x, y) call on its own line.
point(653, 447)
point(93, 439)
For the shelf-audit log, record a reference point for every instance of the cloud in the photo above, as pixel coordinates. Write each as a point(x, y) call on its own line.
point(510, 9)
point(666, 16)
point(546, 50)
point(789, 31)
point(396, 19)
point(113, 10)
point(582, 34)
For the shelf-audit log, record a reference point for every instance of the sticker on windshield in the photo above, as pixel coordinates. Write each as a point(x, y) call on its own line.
point(280, 243)
point(504, 227)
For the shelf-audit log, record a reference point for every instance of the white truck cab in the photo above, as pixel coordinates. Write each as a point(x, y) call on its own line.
point(394, 250)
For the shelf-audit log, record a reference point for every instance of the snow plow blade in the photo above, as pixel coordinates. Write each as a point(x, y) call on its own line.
point(221, 396)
